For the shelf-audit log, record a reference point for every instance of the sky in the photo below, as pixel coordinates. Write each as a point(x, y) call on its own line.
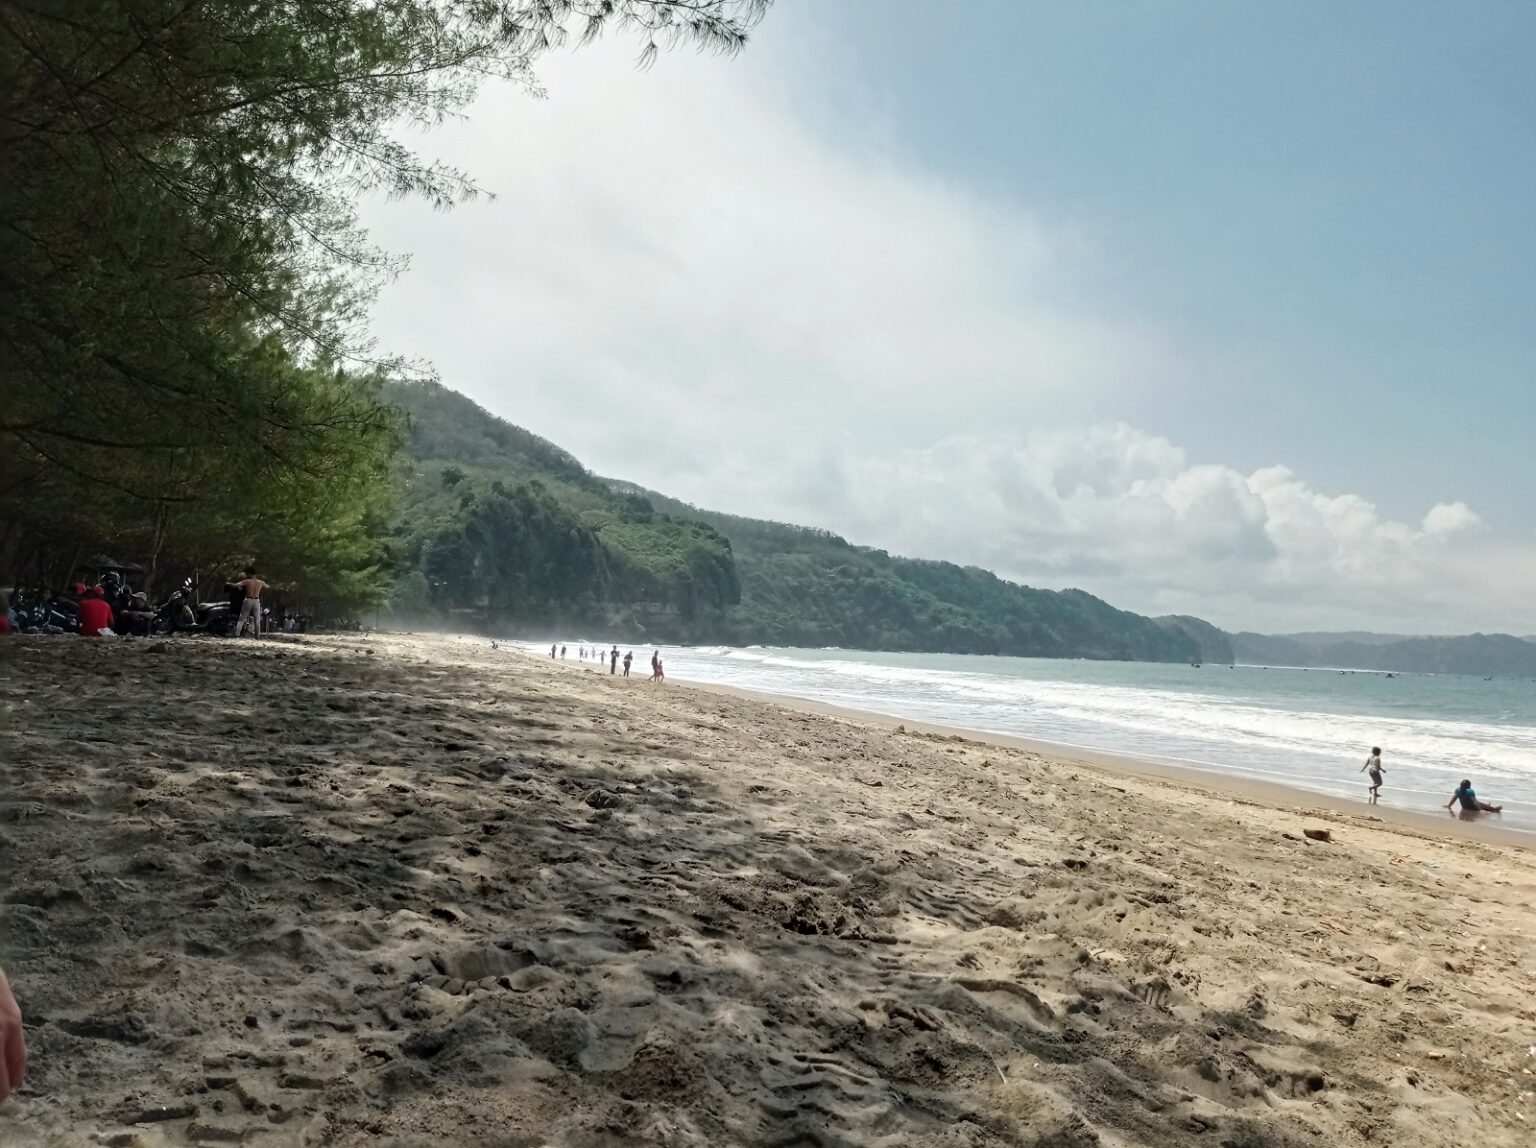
point(1219, 308)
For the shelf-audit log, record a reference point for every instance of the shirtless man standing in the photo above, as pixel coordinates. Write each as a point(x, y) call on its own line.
point(250, 609)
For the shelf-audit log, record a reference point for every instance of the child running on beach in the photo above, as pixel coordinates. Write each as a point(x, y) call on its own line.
point(1373, 763)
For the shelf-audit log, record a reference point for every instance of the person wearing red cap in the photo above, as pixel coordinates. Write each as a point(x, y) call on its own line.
point(95, 614)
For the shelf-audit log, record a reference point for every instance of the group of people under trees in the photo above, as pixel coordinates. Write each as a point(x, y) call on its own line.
point(611, 656)
point(110, 607)
point(1465, 795)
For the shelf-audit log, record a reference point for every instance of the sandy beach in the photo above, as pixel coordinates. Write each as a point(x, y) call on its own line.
point(411, 890)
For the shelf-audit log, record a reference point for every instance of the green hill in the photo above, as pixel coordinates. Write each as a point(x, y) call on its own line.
point(806, 587)
point(1215, 644)
point(502, 530)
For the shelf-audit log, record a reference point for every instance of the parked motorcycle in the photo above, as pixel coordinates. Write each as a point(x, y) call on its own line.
point(39, 613)
point(181, 613)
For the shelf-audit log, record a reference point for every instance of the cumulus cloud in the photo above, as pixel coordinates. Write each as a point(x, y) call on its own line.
point(691, 282)
point(1450, 517)
point(1130, 516)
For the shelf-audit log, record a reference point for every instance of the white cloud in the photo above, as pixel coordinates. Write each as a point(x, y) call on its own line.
point(689, 283)
point(1450, 517)
point(677, 250)
point(1127, 515)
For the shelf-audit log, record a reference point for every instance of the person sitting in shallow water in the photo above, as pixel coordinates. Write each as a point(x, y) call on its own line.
point(1469, 801)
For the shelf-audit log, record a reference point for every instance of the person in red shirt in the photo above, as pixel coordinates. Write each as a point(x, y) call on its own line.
point(95, 614)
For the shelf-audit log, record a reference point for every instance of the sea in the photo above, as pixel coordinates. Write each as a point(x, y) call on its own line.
point(1307, 728)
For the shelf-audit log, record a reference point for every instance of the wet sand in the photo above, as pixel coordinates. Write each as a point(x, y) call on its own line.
point(413, 891)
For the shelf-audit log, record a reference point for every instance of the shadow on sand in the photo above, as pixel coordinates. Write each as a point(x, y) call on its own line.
point(319, 896)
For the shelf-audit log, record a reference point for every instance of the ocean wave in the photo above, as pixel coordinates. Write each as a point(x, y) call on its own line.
point(1306, 730)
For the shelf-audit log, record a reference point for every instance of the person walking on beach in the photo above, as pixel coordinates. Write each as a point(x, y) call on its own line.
point(1373, 763)
point(1469, 801)
point(551, 651)
point(562, 651)
point(613, 660)
point(250, 608)
point(657, 673)
point(629, 657)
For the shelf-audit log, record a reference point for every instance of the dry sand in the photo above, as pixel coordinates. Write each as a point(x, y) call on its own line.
point(414, 891)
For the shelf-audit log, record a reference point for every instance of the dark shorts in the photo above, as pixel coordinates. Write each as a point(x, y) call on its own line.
point(1375, 778)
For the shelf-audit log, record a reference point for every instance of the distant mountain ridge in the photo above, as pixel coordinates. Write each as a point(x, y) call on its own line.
point(1502, 655)
point(1339, 637)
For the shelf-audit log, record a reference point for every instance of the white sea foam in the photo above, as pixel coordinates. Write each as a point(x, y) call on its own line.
point(1308, 732)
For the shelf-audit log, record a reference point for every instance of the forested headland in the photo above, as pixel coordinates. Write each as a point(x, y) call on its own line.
point(498, 530)
point(503, 531)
